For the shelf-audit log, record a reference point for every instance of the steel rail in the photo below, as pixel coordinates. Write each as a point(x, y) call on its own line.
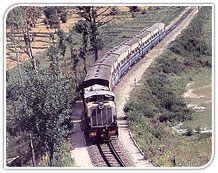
point(116, 155)
point(113, 152)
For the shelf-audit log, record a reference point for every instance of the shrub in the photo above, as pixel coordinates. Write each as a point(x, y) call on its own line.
point(52, 17)
point(189, 132)
point(114, 11)
point(134, 9)
point(204, 136)
point(63, 17)
point(144, 11)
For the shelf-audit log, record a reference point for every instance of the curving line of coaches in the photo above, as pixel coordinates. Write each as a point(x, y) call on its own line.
point(108, 70)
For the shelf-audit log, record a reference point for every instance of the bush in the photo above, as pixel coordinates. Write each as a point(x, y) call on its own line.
point(144, 11)
point(114, 11)
point(204, 136)
point(192, 42)
point(134, 9)
point(52, 17)
point(63, 18)
point(157, 132)
point(62, 158)
point(54, 21)
point(189, 132)
point(161, 96)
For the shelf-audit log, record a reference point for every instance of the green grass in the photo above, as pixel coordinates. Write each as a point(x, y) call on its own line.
point(172, 71)
point(62, 158)
point(202, 86)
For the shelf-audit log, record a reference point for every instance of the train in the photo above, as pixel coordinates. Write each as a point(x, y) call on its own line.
point(100, 116)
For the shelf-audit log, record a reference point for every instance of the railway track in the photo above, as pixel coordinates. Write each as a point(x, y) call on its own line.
point(109, 154)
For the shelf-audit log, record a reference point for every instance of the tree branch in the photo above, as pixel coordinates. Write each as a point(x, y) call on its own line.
point(102, 11)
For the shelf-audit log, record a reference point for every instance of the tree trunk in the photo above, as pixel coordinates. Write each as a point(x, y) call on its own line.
point(73, 54)
point(50, 151)
point(96, 53)
point(94, 41)
point(85, 40)
point(85, 68)
point(17, 53)
point(33, 151)
point(18, 64)
point(94, 34)
point(29, 49)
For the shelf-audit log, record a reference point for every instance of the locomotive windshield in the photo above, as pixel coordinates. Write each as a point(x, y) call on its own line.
point(99, 98)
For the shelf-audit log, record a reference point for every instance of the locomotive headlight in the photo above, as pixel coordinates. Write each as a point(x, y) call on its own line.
point(92, 134)
point(100, 105)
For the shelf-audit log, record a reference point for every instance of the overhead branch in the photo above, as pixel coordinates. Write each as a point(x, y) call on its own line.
point(103, 11)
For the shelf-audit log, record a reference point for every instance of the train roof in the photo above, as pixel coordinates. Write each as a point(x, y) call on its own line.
point(132, 41)
point(99, 73)
point(109, 58)
point(155, 26)
point(98, 92)
point(120, 49)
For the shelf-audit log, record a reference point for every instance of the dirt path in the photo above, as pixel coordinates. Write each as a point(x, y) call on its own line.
point(79, 152)
point(128, 82)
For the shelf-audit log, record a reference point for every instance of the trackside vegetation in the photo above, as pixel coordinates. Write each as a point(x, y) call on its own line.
point(158, 103)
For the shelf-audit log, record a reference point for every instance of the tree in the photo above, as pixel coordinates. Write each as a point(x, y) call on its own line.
point(114, 11)
point(133, 10)
point(82, 27)
point(44, 109)
point(74, 53)
point(19, 21)
point(55, 15)
point(95, 17)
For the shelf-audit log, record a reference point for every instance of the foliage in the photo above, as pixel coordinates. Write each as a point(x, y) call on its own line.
point(95, 17)
point(114, 11)
point(43, 108)
point(54, 15)
point(15, 18)
point(62, 157)
point(20, 20)
point(20, 16)
point(159, 95)
point(193, 43)
point(133, 9)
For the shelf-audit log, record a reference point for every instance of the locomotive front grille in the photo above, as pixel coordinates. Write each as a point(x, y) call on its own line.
point(101, 117)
